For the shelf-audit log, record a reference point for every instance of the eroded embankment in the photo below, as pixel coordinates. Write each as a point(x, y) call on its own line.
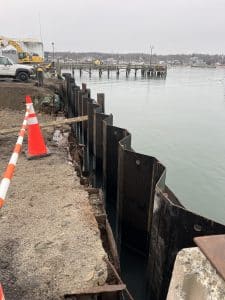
point(50, 242)
point(12, 94)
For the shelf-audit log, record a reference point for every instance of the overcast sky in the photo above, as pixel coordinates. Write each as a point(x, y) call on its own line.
point(172, 26)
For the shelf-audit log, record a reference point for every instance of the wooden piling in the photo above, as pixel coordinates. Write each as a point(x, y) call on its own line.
point(84, 87)
point(153, 70)
point(101, 101)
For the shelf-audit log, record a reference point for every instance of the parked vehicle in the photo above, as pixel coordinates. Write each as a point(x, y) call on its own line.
point(8, 69)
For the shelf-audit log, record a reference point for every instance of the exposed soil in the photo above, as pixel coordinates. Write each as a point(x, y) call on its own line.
point(12, 94)
point(50, 242)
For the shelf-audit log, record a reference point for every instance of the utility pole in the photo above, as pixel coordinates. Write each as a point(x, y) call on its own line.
point(150, 57)
point(53, 52)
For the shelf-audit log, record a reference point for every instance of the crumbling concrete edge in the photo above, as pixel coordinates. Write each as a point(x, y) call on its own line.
point(195, 278)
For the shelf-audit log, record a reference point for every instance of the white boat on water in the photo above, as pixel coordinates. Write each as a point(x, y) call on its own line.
point(202, 65)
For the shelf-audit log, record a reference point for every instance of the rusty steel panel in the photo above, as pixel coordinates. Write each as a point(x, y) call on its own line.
point(85, 137)
point(92, 105)
point(76, 91)
point(70, 97)
point(106, 122)
point(80, 134)
point(70, 84)
point(101, 101)
point(84, 113)
point(67, 90)
point(71, 104)
point(72, 110)
point(135, 198)
point(111, 137)
point(98, 147)
point(173, 228)
point(213, 247)
point(80, 129)
point(89, 145)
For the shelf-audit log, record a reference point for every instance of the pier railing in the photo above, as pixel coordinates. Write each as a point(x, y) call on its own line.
point(145, 215)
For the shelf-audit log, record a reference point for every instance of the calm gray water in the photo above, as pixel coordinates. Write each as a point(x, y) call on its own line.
point(181, 121)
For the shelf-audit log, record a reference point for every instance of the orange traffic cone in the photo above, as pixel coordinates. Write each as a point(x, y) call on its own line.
point(1, 293)
point(36, 143)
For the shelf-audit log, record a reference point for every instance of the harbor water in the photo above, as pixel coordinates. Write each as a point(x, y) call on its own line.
point(181, 121)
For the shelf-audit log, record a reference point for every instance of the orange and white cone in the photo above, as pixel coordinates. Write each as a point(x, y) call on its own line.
point(1, 293)
point(36, 143)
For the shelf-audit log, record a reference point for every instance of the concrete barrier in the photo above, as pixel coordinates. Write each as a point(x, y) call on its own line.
point(195, 278)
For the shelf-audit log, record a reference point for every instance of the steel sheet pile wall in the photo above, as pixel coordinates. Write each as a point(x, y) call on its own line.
point(144, 214)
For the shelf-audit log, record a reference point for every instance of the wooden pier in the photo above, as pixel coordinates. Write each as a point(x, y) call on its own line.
point(149, 71)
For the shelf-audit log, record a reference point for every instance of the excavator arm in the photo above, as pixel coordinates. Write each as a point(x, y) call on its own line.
point(24, 57)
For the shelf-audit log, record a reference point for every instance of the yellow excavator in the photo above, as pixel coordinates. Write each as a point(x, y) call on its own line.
point(24, 57)
point(97, 62)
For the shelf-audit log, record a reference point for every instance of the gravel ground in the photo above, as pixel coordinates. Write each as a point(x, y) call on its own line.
point(50, 242)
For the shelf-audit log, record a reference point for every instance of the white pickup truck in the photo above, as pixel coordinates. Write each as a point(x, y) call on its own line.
point(17, 71)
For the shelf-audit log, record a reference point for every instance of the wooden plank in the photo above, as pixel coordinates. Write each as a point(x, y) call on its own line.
point(65, 121)
point(107, 288)
point(48, 124)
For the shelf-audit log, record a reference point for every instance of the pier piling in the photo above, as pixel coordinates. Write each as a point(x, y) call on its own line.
point(159, 71)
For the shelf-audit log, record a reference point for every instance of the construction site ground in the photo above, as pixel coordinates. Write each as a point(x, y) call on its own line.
point(50, 243)
point(12, 94)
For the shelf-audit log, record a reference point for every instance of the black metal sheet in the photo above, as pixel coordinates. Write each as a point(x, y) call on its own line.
point(111, 135)
point(135, 198)
point(91, 107)
point(101, 101)
point(98, 148)
point(173, 228)
point(76, 91)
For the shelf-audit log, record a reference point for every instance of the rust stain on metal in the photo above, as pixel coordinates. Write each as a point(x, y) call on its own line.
point(213, 248)
point(118, 278)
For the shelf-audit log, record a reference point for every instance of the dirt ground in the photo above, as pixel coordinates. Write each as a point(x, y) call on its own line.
point(50, 242)
point(12, 94)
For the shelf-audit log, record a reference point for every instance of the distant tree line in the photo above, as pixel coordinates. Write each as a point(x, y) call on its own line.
point(128, 57)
